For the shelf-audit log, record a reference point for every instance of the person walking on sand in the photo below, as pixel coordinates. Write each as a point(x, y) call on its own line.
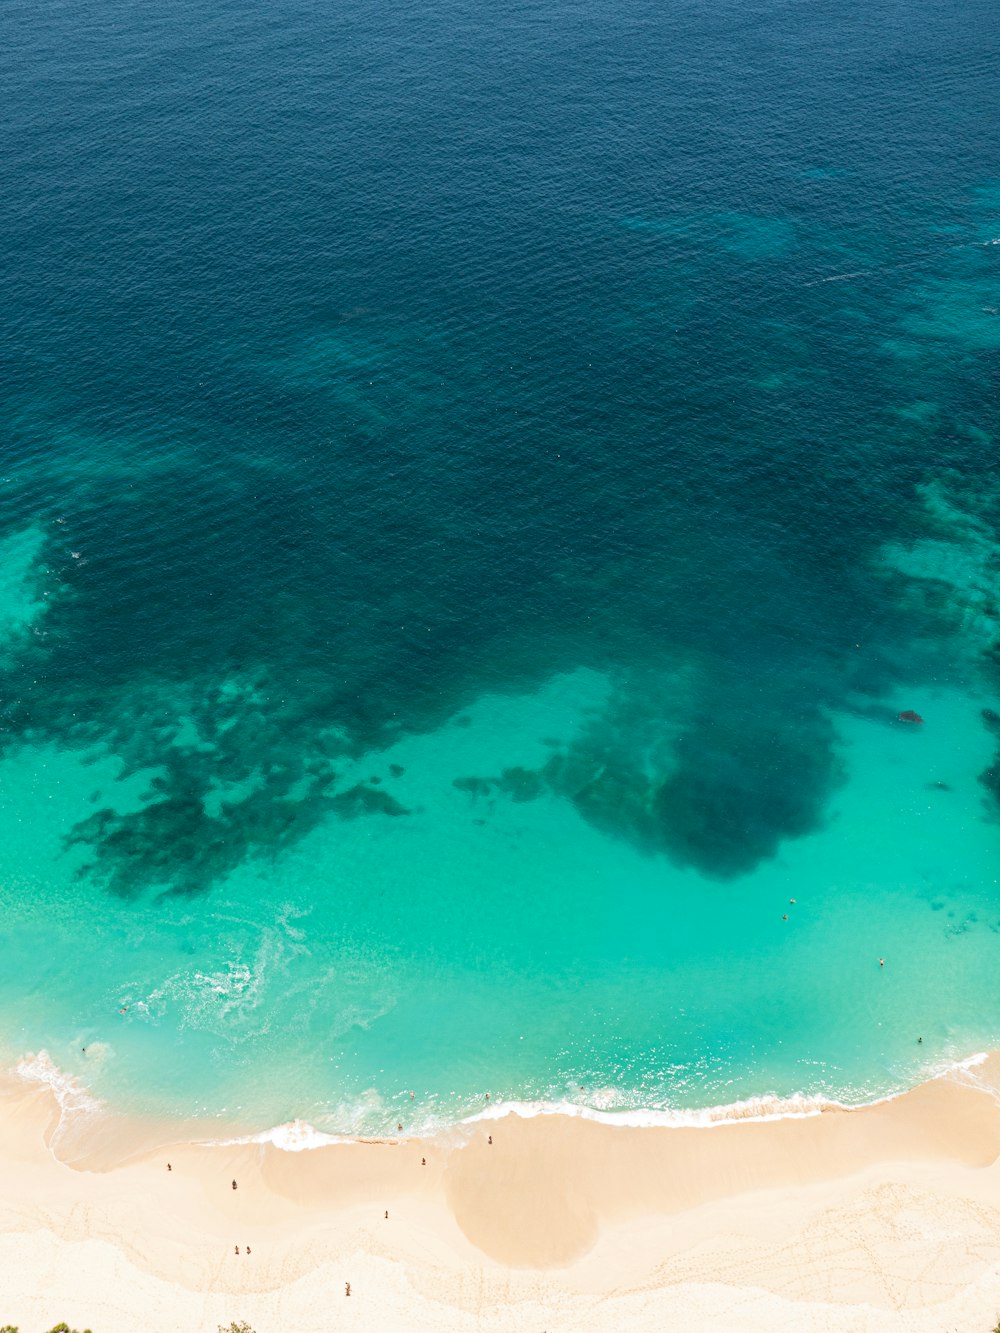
point(169, 1167)
point(236, 1248)
point(234, 1184)
point(347, 1289)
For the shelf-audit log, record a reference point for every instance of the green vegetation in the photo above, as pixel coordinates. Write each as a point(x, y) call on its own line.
point(234, 1327)
point(59, 1328)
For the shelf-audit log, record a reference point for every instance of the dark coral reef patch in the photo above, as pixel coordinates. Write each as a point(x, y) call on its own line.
point(720, 794)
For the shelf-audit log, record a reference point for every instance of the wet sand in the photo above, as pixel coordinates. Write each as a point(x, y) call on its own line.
point(887, 1217)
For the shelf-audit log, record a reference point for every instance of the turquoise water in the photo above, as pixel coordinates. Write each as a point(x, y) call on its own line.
point(477, 492)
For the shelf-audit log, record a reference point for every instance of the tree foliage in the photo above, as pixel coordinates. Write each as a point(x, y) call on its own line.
point(59, 1328)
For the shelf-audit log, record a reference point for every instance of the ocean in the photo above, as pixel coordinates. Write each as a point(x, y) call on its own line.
point(479, 486)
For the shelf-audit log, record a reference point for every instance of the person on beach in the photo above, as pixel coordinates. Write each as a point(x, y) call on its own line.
point(236, 1248)
point(423, 1161)
point(347, 1289)
point(234, 1184)
point(489, 1138)
point(387, 1214)
point(169, 1167)
point(248, 1249)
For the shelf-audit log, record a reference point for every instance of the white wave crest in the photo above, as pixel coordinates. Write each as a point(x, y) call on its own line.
point(295, 1136)
point(798, 1106)
point(71, 1095)
point(76, 1102)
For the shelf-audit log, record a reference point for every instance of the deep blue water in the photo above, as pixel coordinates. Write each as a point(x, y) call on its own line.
point(362, 363)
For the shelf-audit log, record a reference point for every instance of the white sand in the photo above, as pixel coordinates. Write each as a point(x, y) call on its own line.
point(886, 1218)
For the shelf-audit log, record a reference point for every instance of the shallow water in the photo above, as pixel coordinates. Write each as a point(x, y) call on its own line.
point(477, 491)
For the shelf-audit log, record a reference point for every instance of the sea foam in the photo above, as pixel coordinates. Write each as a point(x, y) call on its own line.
point(299, 1135)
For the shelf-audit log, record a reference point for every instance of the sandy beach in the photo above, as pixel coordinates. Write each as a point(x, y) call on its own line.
point(887, 1217)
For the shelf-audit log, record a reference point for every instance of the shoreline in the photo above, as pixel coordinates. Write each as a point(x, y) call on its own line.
point(882, 1216)
point(80, 1111)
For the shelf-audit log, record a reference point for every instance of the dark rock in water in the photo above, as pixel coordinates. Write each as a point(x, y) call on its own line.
point(990, 778)
point(739, 791)
point(362, 800)
point(375, 781)
point(397, 770)
point(522, 784)
point(618, 801)
point(910, 716)
point(570, 774)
